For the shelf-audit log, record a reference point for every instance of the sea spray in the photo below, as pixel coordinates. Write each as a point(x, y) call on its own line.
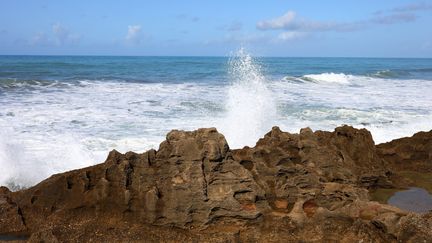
point(250, 105)
point(22, 165)
point(15, 163)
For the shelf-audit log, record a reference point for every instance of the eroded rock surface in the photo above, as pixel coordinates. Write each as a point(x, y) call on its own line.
point(411, 153)
point(309, 187)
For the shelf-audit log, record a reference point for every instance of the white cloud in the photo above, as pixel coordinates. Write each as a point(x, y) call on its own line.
point(277, 23)
point(133, 34)
point(291, 35)
point(289, 21)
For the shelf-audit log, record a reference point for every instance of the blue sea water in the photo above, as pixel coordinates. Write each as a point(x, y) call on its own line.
point(197, 69)
point(64, 112)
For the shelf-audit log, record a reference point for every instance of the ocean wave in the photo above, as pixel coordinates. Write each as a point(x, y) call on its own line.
point(385, 74)
point(8, 84)
point(393, 74)
point(339, 78)
point(33, 84)
point(323, 78)
point(401, 73)
point(343, 78)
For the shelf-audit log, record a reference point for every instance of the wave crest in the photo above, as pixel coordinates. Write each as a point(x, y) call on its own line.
point(339, 78)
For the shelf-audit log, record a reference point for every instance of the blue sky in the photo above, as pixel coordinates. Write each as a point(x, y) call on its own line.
point(365, 28)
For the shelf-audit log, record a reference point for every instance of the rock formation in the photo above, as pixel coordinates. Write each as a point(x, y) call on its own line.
point(306, 187)
point(413, 153)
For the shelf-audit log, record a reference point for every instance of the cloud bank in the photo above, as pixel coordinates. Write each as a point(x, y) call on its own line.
point(291, 22)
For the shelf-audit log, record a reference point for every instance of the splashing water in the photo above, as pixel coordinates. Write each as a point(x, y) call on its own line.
point(250, 105)
point(23, 165)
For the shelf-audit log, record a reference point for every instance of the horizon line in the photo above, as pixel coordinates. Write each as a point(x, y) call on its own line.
point(218, 56)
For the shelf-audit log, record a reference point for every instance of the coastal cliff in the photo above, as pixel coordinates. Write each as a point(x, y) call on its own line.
point(308, 187)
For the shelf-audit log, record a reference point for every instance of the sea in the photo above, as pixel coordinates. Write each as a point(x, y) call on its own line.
point(59, 113)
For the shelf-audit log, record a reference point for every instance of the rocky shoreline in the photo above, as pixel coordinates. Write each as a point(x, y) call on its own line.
point(306, 187)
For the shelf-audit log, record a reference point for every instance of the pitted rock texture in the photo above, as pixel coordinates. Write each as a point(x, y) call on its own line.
point(309, 187)
point(411, 153)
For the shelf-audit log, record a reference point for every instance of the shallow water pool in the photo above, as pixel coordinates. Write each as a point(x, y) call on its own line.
point(414, 199)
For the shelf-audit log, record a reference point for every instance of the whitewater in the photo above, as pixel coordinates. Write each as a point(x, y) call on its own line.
point(64, 113)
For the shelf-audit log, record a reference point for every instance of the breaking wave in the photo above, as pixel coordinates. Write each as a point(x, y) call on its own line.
point(339, 78)
point(325, 78)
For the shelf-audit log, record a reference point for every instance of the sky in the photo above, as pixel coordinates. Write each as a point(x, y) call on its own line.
point(344, 28)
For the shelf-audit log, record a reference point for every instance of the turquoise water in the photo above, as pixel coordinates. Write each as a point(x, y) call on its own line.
point(64, 112)
point(196, 69)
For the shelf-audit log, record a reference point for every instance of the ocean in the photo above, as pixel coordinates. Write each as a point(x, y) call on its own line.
point(59, 113)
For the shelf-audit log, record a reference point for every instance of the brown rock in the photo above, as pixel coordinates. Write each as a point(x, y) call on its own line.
point(411, 153)
point(11, 218)
point(311, 186)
